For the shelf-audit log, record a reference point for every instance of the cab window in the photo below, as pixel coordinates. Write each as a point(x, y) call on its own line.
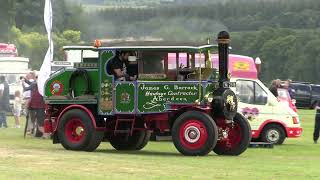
point(251, 92)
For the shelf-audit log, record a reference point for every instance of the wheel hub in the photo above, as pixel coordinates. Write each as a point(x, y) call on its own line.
point(79, 130)
point(224, 133)
point(273, 135)
point(75, 130)
point(192, 134)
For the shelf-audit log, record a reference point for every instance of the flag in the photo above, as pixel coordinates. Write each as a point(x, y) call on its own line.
point(45, 69)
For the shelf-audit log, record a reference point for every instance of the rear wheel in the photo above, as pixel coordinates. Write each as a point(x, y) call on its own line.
point(194, 133)
point(76, 132)
point(137, 141)
point(234, 137)
point(95, 141)
point(273, 133)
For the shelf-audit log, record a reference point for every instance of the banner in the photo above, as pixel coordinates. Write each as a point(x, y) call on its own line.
point(45, 69)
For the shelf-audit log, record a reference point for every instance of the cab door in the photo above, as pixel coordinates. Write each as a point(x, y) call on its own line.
point(253, 102)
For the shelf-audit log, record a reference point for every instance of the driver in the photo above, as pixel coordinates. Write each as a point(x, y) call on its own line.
point(119, 64)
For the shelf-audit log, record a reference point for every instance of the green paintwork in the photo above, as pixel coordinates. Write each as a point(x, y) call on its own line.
point(153, 97)
point(125, 97)
point(63, 78)
point(105, 95)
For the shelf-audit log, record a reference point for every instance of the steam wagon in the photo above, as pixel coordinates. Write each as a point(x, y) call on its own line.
point(87, 104)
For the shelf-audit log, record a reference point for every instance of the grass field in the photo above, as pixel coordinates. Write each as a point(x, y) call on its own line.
point(32, 158)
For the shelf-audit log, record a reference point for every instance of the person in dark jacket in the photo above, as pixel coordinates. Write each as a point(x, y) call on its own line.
point(118, 66)
point(317, 124)
point(275, 84)
point(36, 104)
point(4, 101)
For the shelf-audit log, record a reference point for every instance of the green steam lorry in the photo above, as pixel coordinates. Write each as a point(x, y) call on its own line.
point(86, 105)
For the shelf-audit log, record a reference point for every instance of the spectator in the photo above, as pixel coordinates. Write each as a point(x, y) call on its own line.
point(17, 107)
point(275, 84)
point(4, 102)
point(132, 67)
point(26, 96)
point(317, 124)
point(36, 104)
point(291, 91)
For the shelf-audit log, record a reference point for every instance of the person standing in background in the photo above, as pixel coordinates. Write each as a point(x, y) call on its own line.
point(290, 90)
point(4, 102)
point(316, 124)
point(26, 96)
point(36, 105)
point(17, 107)
point(1, 109)
point(275, 84)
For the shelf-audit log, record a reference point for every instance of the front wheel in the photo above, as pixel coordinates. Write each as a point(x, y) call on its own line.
point(76, 132)
point(234, 137)
point(273, 133)
point(194, 133)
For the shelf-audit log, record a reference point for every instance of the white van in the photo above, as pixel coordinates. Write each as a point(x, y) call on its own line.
point(271, 120)
point(13, 68)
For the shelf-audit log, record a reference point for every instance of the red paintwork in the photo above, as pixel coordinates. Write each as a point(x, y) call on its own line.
point(203, 134)
point(70, 130)
point(156, 117)
point(163, 126)
point(76, 106)
point(296, 130)
point(47, 125)
point(234, 135)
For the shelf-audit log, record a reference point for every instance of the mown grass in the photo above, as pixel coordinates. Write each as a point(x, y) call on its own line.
point(33, 158)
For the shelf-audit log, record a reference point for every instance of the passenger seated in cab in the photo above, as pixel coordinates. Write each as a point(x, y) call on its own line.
point(132, 68)
point(123, 66)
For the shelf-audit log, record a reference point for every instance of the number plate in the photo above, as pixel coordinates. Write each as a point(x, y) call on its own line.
point(229, 84)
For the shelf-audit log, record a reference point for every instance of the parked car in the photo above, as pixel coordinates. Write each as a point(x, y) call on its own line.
point(315, 94)
point(303, 94)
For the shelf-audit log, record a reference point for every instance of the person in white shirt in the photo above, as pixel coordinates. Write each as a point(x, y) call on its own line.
point(17, 107)
point(26, 96)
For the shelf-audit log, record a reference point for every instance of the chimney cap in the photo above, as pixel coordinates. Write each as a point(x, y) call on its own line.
point(223, 35)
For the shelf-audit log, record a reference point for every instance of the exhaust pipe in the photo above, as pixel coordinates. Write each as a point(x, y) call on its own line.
point(224, 102)
point(223, 47)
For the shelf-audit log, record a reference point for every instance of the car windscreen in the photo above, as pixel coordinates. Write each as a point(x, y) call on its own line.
point(302, 89)
point(316, 90)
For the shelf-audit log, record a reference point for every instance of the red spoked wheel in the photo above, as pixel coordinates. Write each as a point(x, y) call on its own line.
point(194, 133)
point(234, 137)
point(76, 132)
